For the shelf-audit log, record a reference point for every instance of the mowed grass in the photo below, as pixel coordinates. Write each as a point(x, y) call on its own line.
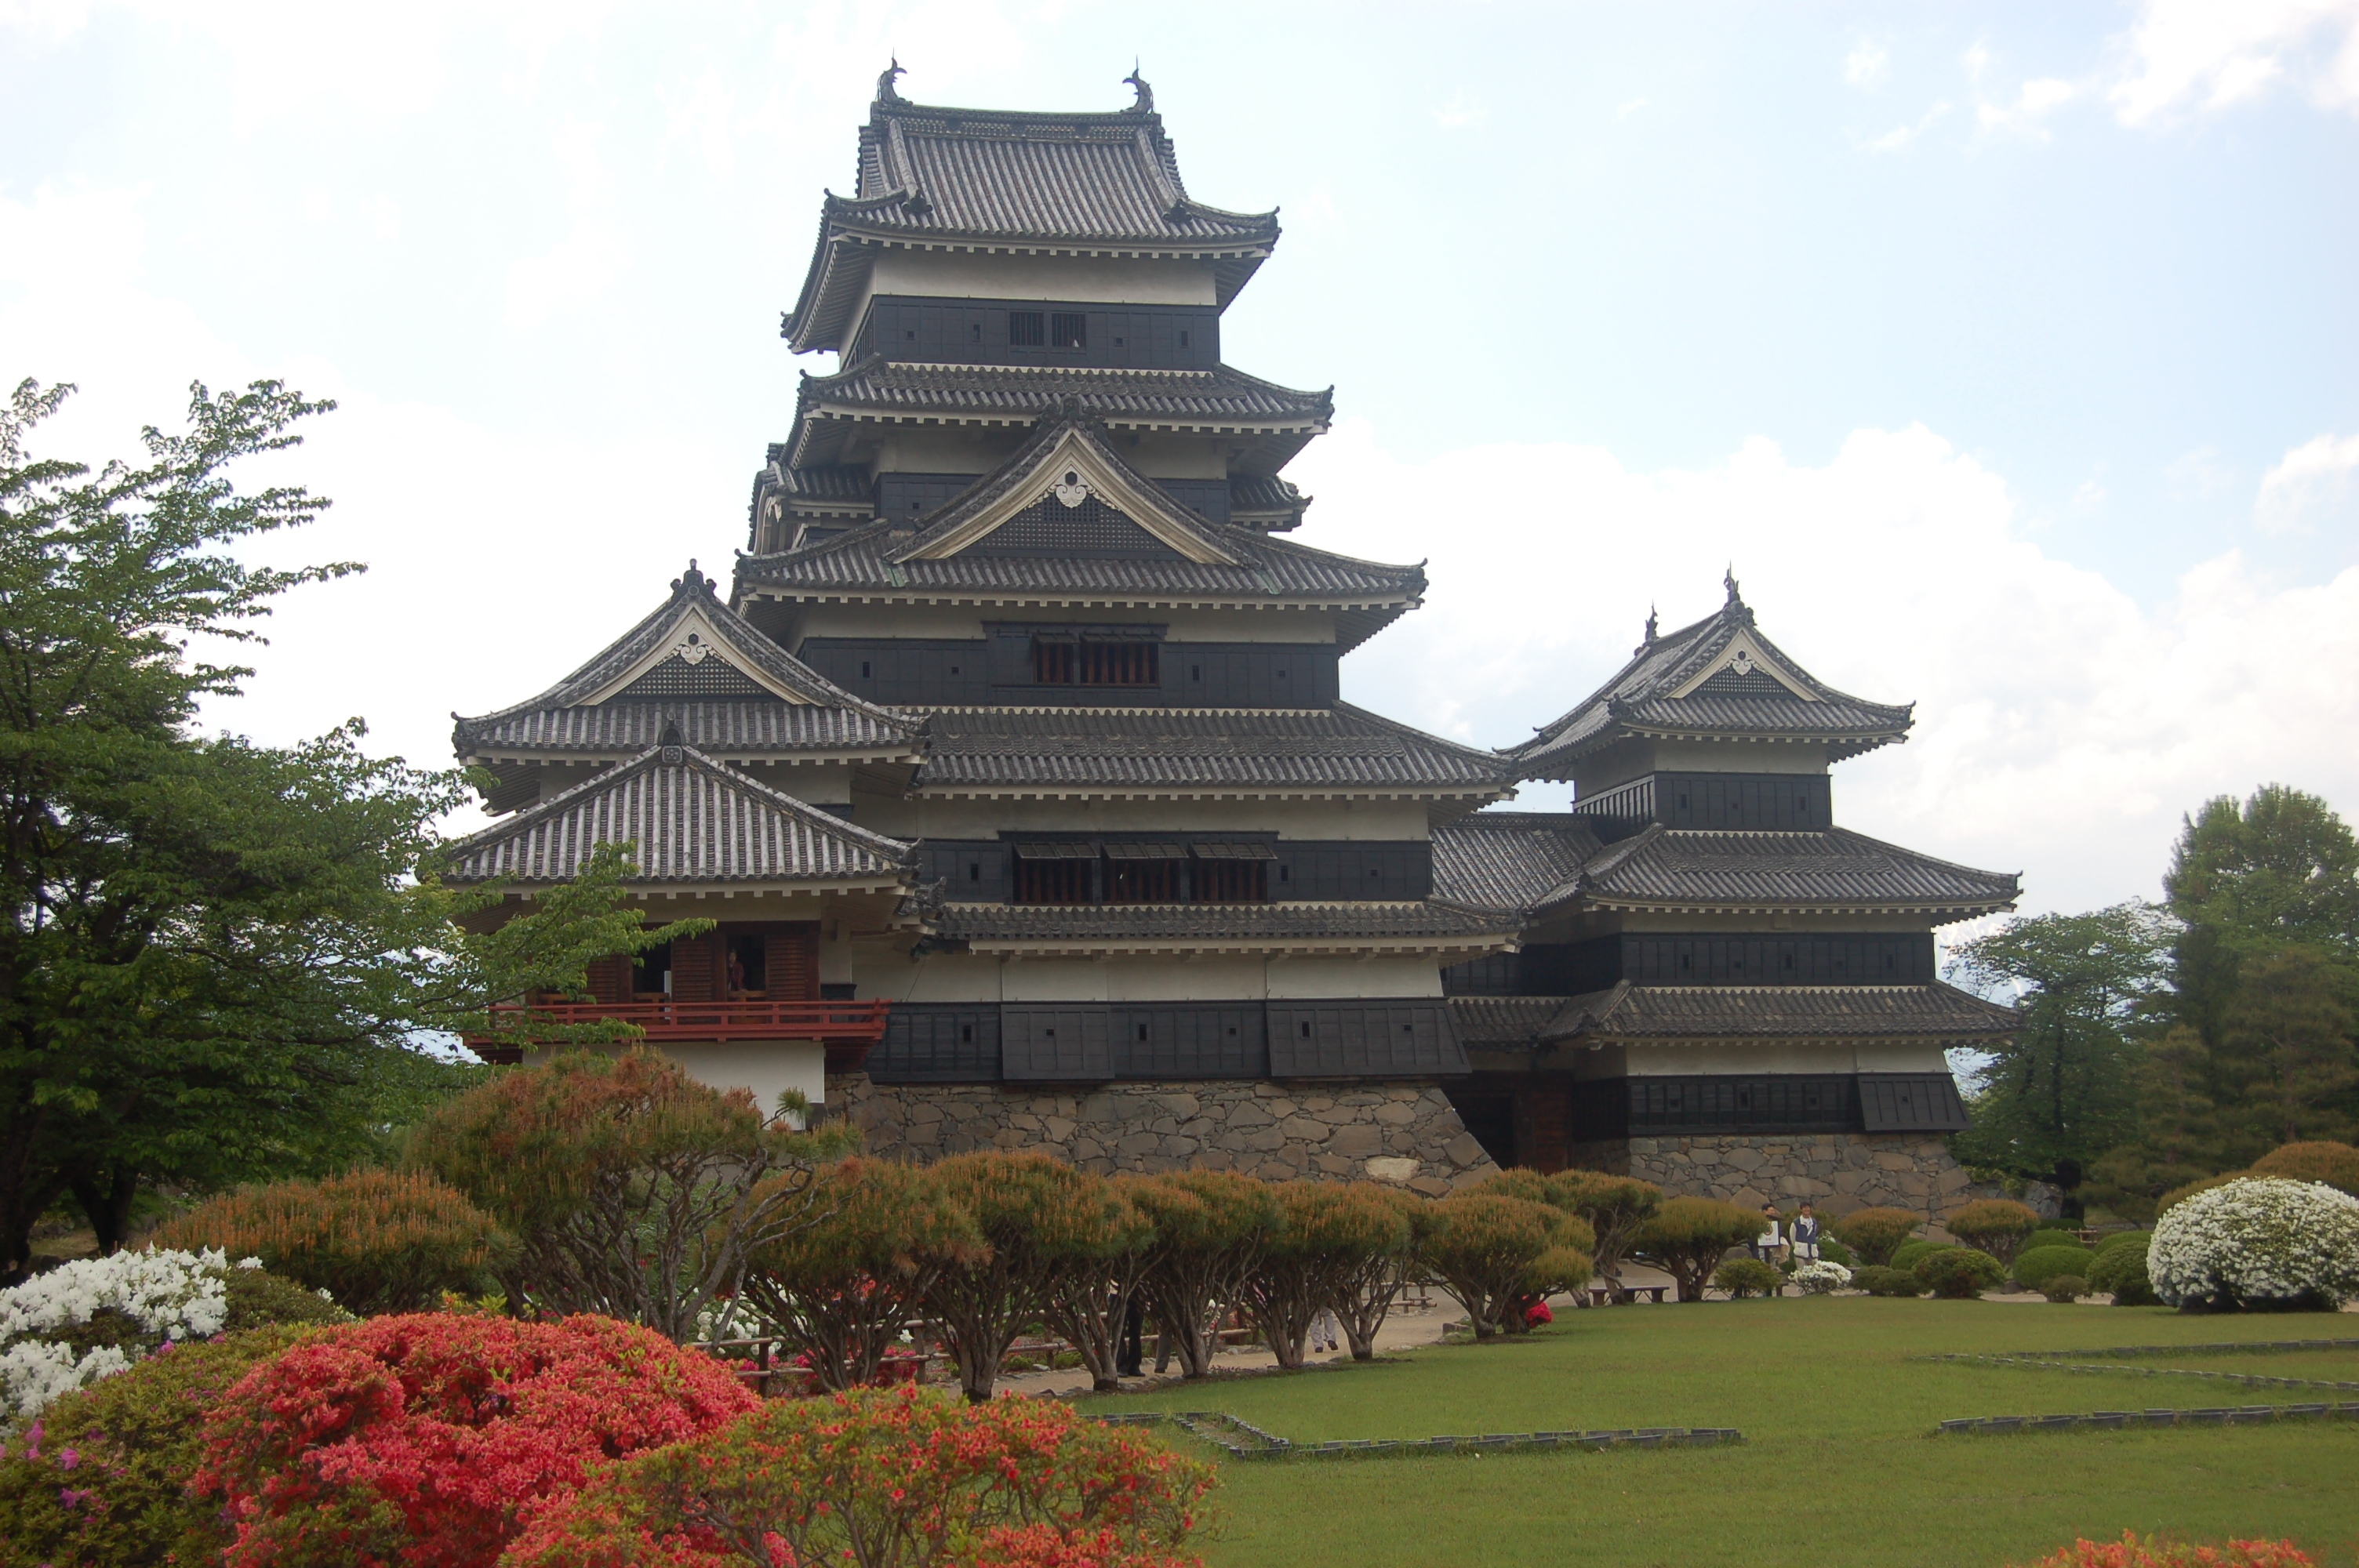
point(1838, 1466)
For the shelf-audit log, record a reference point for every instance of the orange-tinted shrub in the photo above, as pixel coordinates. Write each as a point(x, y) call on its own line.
point(2133, 1550)
point(1876, 1234)
point(2336, 1164)
point(375, 1240)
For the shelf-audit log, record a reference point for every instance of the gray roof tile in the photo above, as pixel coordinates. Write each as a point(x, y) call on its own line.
point(1509, 859)
point(693, 820)
point(1342, 747)
point(1933, 1013)
point(1837, 869)
point(753, 726)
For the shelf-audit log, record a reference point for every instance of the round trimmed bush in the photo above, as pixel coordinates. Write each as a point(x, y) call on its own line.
point(1960, 1273)
point(2065, 1289)
point(2049, 1237)
point(1876, 1233)
point(1997, 1226)
point(2259, 1243)
point(1741, 1277)
point(2177, 1196)
point(1905, 1258)
point(1834, 1251)
point(1882, 1281)
point(2035, 1266)
point(2121, 1238)
point(2336, 1164)
point(2120, 1272)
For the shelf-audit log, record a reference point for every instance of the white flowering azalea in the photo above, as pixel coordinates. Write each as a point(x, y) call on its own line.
point(2258, 1241)
point(170, 1296)
point(1817, 1278)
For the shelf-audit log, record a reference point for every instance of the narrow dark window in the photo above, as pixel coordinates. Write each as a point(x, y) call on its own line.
point(974, 871)
point(953, 669)
point(911, 335)
point(864, 669)
point(1047, 1034)
point(1068, 330)
point(1142, 1032)
point(1026, 329)
point(1286, 874)
point(1195, 672)
point(1118, 342)
point(1306, 1030)
point(1088, 663)
point(966, 1034)
point(1183, 337)
point(977, 330)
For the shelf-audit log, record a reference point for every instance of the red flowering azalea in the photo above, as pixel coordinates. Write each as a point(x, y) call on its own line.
point(428, 1441)
point(884, 1479)
point(2134, 1552)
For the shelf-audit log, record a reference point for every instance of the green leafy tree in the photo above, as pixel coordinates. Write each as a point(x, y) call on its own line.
point(2062, 1091)
point(1495, 1252)
point(1212, 1229)
point(1330, 1232)
point(1687, 1237)
point(220, 957)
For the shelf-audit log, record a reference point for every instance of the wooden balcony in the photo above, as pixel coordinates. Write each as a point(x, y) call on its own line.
point(846, 1028)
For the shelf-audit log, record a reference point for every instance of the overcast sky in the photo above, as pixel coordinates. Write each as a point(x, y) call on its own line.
point(2010, 353)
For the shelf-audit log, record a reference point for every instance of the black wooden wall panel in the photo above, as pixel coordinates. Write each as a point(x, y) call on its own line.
point(970, 870)
point(918, 329)
point(1768, 1103)
point(1054, 1044)
point(937, 1043)
point(1189, 1040)
point(1344, 869)
point(1911, 1102)
point(913, 670)
point(904, 497)
point(1782, 802)
point(1739, 959)
point(928, 672)
point(1355, 1037)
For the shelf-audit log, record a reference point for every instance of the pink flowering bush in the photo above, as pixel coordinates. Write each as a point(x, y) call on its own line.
point(877, 1478)
point(430, 1441)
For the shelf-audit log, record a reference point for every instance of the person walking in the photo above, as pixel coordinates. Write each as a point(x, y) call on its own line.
point(1768, 1246)
point(1326, 1331)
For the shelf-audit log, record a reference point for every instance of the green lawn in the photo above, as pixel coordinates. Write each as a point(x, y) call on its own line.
point(1837, 1466)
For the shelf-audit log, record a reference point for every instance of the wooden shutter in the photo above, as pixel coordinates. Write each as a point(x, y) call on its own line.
point(790, 962)
point(610, 979)
point(696, 968)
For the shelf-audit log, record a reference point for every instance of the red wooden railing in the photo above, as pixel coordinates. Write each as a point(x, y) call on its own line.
point(846, 1028)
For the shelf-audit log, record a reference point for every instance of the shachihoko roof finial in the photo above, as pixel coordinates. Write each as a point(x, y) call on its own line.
point(1146, 103)
point(1650, 623)
point(886, 91)
point(1729, 578)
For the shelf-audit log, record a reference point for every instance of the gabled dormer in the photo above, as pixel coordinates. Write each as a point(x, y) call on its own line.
point(1712, 726)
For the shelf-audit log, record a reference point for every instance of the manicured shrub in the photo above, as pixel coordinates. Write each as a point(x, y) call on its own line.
point(1997, 1226)
point(1495, 1253)
point(1613, 1207)
point(1874, 1233)
point(1688, 1236)
point(2133, 1550)
point(1034, 1213)
point(1960, 1273)
point(1905, 1256)
point(101, 1478)
point(2065, 1289)
point(2035, 1266)
point(1741, 1277)
point(630, 1187)
point(2047, 1237)
point(426, 1440)
point(2176, 1195)
point(2120, 1239)
point(1211, 1228)
point(1101, 1266)
point(1882, 1281)
point(259, 1299)
point(2336, 1164)
point(884, 1480)
point(2120, 1272)
point(1368, 1295)
point(2258, 1243)
point(842, 1290)
point(1327, 1233)
point(1834, 1251)
point(1818, 1279)
point(375, 1240)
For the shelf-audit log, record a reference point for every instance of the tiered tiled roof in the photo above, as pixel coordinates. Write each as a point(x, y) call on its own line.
point(607, 708)
point(1932, 1014)
point(694, 823)
point(834, 410)
point(1342, 749)
point(1227, 928)
point(1266, 502)
point(1099, 184)
point(1718, 678)
point(1499, 861)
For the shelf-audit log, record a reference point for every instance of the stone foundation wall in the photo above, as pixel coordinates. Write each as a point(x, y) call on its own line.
point(1836, 1172)
point(1401, 1132)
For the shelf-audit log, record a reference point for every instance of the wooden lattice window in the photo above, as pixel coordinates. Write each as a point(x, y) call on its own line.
point(1068, 330)
point(1056, 872)
point(1082, 662)
point(1026, 329)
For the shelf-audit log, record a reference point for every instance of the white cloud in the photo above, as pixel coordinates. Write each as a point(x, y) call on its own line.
point(2062, 726)
point(2199, 474)
point(2308, 480)
point(2034, 101)
point(1866, 64)
point(2213, 54)
point(587, 262)
point(1459, 112)
point(1899, 136)
point(1628, 109)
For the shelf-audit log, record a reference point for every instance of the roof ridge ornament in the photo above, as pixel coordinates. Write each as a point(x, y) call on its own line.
point(1650, 633)
point(691, 579)
point(1146, 101)
point(886, 91)
point(1728, 581)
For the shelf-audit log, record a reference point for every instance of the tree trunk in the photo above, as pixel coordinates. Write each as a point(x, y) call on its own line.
point(106, 1201)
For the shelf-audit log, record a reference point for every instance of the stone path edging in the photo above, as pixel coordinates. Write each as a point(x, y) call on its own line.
point(1240, 1439)
point(2240, 1415)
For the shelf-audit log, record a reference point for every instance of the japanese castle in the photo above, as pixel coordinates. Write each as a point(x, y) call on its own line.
point(1010, 763)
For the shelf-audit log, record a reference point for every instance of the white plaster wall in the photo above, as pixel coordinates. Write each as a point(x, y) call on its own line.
point(1796, 1057)
point(1627, 760)
point(1897, 1058)
point(1184, 980)
point(813, 784)
point(1775, 925)
point(965, 621)
point(1099, 279)
point(1309, 978)
point(1052, 980)
point(768, 1067)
